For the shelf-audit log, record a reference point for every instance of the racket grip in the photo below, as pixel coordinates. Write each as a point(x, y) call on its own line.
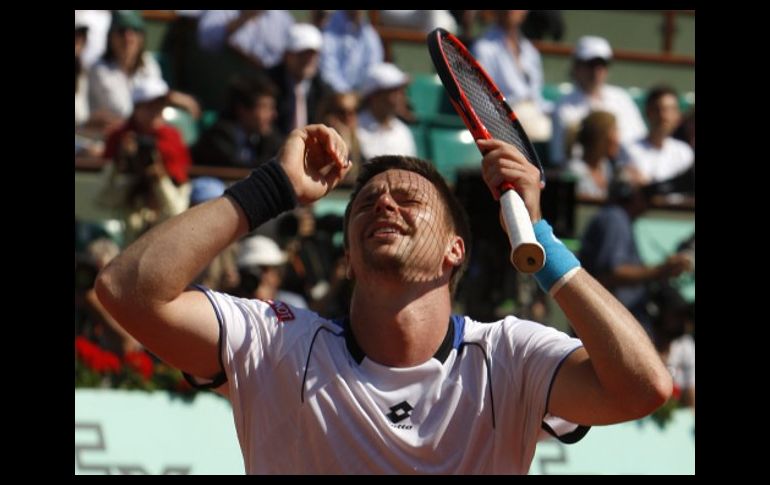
point(527, 255)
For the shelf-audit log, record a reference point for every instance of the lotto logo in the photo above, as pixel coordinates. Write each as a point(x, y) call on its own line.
point(282, 310)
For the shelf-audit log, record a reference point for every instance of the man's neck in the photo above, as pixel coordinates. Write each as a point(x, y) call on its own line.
point(400, 326)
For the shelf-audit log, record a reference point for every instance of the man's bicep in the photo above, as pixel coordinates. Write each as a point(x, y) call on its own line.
point(578, 397)
point(185, 334)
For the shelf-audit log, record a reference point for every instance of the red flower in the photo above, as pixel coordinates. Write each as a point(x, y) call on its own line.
point(140, 362)
point(677, 393)
point(95, 358)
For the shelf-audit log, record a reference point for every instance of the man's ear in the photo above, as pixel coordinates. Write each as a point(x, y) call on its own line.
point(348, 268)
point(455, 253)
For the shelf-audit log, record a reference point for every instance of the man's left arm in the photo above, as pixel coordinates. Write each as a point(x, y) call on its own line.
point(618, 375)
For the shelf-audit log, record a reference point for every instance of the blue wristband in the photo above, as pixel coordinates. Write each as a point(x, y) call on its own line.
point(558, 259)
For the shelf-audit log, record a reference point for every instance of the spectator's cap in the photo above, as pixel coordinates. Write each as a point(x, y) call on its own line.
point(304, 37)
point(383, 76)
point(127, 19)
point(206, 188)
point(591, 47)
point(149, 89)
point(259, 251)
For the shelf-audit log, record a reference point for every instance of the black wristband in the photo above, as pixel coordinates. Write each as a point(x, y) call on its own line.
point(266, 193)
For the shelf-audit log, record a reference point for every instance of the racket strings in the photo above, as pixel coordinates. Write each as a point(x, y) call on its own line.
point(483, 101)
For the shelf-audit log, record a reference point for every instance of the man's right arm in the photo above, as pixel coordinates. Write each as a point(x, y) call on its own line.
point(145, 288)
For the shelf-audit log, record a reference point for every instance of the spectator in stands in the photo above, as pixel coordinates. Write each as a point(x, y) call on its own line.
point(674, 341)
point(258, 35)
point(320, 18)
point(340, 111)
point(465, 20)
point(598, 137)
point(686, 129)
point(222, 272)
point(147, 180)
point(89, 132)
point(541, 24)
point(379, 129)
point(81, 81)
point(90, 126)
point(351, 47)
point(659, 156)
point(245, 133)
point(310, 253)
point(299, 84)
point(98, 24)
point(260, 263)
point(124, 64)
point(609, 251)
point(590, 68)
point(422, 20)
point(515, 66)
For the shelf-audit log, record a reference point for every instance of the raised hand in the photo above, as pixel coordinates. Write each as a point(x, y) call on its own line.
point(315, 158)
point(504, 163)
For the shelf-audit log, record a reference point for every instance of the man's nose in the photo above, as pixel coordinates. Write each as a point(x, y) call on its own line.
point(385, 203)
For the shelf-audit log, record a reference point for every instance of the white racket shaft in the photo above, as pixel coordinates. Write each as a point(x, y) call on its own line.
point(527, 255)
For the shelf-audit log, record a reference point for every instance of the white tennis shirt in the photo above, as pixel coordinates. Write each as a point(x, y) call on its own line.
point(307, 400)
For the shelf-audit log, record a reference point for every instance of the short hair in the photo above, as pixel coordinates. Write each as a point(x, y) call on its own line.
point(455, 212)
point(245, 91)
point(658, 92)
point(592, 134)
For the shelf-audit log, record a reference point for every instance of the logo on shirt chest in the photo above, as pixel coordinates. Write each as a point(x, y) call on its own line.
point(400, 412)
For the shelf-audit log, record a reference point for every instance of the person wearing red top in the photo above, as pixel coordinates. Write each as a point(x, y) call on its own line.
point(148, 179)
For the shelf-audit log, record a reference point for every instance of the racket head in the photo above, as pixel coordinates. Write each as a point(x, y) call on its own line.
point(476, 97)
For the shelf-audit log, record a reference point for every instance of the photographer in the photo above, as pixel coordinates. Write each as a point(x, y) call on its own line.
point(147, 181)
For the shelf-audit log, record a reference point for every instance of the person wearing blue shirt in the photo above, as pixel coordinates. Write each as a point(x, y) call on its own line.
point(351, 47)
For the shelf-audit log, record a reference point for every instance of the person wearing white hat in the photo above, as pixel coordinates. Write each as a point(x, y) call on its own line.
point(380, 131)
point(590, 68)
point(260, 265)
point(299, 83)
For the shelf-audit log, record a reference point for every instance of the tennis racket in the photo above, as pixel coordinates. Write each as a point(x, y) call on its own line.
point(487, 115)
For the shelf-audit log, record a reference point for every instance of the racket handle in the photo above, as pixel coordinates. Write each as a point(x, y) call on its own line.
point(527, 255)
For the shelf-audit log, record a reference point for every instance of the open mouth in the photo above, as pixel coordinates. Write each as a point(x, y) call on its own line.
point(385, 229)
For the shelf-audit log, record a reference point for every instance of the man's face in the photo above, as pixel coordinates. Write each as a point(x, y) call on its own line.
point(388, 102)
point(127, 43)
point(259, 119)
point(149, 114)
point(398, 226)
point(302, 65)
point(664, 114)
point(591, 74)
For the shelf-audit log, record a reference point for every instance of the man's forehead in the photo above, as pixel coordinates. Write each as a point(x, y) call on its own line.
point(397, 178)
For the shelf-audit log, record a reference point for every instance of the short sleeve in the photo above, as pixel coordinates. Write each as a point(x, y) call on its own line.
point(244, 336)
point(536, 354)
